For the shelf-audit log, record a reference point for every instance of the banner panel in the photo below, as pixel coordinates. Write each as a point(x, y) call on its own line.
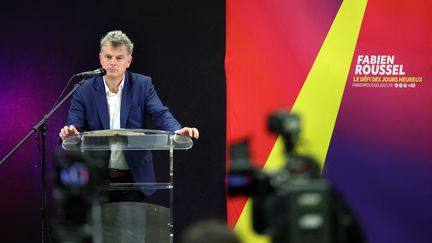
point(358, 72)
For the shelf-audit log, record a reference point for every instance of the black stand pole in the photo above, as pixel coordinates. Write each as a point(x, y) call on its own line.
point(42, 128)
point(44, 223)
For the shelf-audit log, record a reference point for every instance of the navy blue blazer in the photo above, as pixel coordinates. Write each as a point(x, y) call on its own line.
point(89, 112)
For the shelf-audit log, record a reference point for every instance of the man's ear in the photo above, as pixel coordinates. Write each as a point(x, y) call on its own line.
point(100, 58)
point(130, 61)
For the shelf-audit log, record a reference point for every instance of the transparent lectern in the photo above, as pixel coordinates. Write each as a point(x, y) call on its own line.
point(157, 220)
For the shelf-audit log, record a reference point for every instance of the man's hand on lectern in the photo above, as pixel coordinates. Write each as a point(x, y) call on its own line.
point(192, 132)
point(67, 131)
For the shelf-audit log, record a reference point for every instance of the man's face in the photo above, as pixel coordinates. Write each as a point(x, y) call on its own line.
point(115, 60)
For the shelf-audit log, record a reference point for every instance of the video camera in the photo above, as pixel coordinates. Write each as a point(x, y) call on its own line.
point(294, 204)
point(77, 178)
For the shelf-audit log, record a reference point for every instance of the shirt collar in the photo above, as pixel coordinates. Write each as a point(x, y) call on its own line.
point(107, 90)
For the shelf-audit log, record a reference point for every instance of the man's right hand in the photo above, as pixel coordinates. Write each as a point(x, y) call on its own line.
point(68, 131)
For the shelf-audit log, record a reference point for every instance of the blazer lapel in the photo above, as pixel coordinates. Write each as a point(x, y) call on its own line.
point(101, 103)
point(125, 101)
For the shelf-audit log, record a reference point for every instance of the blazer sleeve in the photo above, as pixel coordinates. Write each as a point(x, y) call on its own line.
point(76, 115)
point(160, 114)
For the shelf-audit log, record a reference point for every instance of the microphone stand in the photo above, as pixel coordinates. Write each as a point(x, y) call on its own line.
point(41, 128)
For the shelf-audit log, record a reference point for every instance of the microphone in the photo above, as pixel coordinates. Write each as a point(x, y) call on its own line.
point(89, 74)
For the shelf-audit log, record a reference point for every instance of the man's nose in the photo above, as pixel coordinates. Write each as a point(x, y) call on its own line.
point(113, 61)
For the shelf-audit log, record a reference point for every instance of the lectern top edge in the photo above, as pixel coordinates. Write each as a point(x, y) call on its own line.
point(127, 139)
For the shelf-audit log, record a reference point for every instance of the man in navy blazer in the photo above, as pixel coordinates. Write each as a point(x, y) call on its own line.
point(121, 99)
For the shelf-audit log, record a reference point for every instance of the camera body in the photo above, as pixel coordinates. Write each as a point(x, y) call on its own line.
point(293, 204)
point(76, 181)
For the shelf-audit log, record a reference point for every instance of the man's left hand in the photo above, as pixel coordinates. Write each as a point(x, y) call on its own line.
point(189, 131)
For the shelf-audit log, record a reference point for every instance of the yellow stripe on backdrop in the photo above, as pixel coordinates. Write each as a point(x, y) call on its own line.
point(319, 99)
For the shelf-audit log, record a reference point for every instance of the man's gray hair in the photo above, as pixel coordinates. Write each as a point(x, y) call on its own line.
point(117, 38)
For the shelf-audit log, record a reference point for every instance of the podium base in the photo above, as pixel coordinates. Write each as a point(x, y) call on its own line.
point(133, 222)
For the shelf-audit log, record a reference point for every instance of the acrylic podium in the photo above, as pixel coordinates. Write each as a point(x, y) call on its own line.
point(154, 223)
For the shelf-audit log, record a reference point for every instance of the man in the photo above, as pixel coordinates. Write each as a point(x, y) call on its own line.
point(121, 99)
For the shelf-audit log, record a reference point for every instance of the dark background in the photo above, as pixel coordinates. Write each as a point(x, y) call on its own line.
point(180, 44)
